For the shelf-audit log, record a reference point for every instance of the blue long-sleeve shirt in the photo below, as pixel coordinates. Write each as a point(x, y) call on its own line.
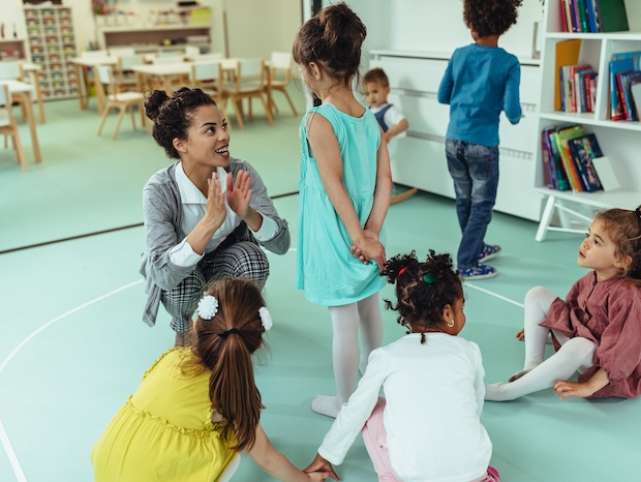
point(478, 84)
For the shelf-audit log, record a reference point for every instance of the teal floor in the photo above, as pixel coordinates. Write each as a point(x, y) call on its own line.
point(73, 345)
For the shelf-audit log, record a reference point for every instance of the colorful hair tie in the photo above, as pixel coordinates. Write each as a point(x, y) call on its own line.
point(429, 279)
point(402, 270)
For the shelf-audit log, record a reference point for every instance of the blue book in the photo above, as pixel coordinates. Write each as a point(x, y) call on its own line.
point(591, 14)
point(616, 67)
point(583, 150)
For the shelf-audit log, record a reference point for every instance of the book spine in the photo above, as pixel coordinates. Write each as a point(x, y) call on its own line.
point(562, 16)
point(548, 179)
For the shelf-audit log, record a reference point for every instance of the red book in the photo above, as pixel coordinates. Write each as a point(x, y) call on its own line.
point(563, 14)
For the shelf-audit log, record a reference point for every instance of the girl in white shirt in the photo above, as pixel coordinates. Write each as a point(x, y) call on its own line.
point(428, 428)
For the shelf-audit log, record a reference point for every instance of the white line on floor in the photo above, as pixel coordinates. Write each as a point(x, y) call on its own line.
point(6, 443)
point(34, 333)
point(13, 460)
point(495, 295)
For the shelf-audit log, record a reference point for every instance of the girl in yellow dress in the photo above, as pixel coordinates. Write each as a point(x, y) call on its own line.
point(198, 407)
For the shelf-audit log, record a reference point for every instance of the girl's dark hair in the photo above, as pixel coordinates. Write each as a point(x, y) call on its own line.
point(624, 228)
point(232, 388)
point(422, 289)
point(332, 38)
point(172, 115)
point(490, 17)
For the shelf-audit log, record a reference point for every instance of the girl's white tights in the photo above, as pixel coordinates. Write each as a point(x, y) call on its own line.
point(346, 321)
point(537, 374)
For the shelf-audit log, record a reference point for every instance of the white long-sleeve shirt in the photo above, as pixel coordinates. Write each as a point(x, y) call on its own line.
point(434, 398)
point(194, 205)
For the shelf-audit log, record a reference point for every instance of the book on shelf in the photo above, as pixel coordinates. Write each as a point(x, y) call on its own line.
point(635, 90)
point(566, 53)
point(624, 71)
point(593, 16)
point(578, 88)
point(568, 154)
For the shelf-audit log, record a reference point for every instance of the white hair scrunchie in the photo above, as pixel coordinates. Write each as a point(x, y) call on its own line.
point(265, 318)
point(207, 307)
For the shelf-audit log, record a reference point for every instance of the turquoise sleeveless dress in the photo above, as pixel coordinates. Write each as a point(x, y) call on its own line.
point(328, 273)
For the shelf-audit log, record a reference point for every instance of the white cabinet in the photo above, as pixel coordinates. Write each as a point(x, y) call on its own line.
point(418, 159)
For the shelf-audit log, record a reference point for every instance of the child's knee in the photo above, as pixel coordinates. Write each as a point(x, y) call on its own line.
point(536, 294)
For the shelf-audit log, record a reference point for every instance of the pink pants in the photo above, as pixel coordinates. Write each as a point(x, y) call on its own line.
point(375, 440)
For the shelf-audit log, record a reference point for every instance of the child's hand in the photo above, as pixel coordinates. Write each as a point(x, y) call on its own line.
point(317, 476)
point(565, 389)
point(520, 335)
point(368, 248)
point(322, 466)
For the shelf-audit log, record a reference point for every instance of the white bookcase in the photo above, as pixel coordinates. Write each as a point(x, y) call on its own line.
point(52, 44)
point(418, 160)
point(619, 140)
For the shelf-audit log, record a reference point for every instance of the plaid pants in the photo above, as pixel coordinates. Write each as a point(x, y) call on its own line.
point(234, 258)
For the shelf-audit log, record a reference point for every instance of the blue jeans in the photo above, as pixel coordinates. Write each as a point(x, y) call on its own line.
point(475, 171)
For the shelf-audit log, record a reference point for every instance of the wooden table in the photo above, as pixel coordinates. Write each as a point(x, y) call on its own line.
point(83, 64)
point(22, 93)
point(33, 71)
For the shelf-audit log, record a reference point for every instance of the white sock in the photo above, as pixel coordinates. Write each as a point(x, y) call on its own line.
point(574, 354)
point(327, 405)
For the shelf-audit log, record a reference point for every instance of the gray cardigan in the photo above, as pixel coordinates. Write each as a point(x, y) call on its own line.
point(162, 211)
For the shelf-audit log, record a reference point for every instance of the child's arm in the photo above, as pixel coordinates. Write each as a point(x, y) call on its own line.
point(383, 192)
point(447, 84)
point(395, 130)
point(276, 464)
point(326, 151)
point(565, 389)
point(511, 101)
point(354, 414)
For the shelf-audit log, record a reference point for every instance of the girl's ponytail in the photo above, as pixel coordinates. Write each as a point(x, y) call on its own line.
point(233, 392)
point(224, 343)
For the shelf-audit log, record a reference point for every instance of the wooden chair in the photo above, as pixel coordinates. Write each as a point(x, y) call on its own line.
point(280, 74)
point(114, 99)
point(12, 70)
point(8, 125)
point(248, 80)
point(207, 76)
point(126, 77)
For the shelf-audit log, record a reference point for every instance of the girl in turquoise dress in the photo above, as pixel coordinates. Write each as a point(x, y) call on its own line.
point(345, 188)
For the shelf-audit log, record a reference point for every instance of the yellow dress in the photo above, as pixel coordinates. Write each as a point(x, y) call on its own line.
point(164, 431)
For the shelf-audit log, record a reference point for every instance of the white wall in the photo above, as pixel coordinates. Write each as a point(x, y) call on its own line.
point(434, 25)
point(437, 25)
point(11, 14)
point(256, 28)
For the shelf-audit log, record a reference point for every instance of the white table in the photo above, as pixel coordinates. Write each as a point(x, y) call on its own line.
point(23, 92)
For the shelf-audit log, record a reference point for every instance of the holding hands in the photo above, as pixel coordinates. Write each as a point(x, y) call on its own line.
point(322, 467)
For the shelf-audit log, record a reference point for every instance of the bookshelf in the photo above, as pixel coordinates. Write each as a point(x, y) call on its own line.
point(569, 211)
point(52, 45)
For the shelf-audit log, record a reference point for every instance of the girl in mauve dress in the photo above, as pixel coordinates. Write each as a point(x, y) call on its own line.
point(597, 329)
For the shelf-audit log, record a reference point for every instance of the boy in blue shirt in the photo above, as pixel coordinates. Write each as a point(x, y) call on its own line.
point(480, 81)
